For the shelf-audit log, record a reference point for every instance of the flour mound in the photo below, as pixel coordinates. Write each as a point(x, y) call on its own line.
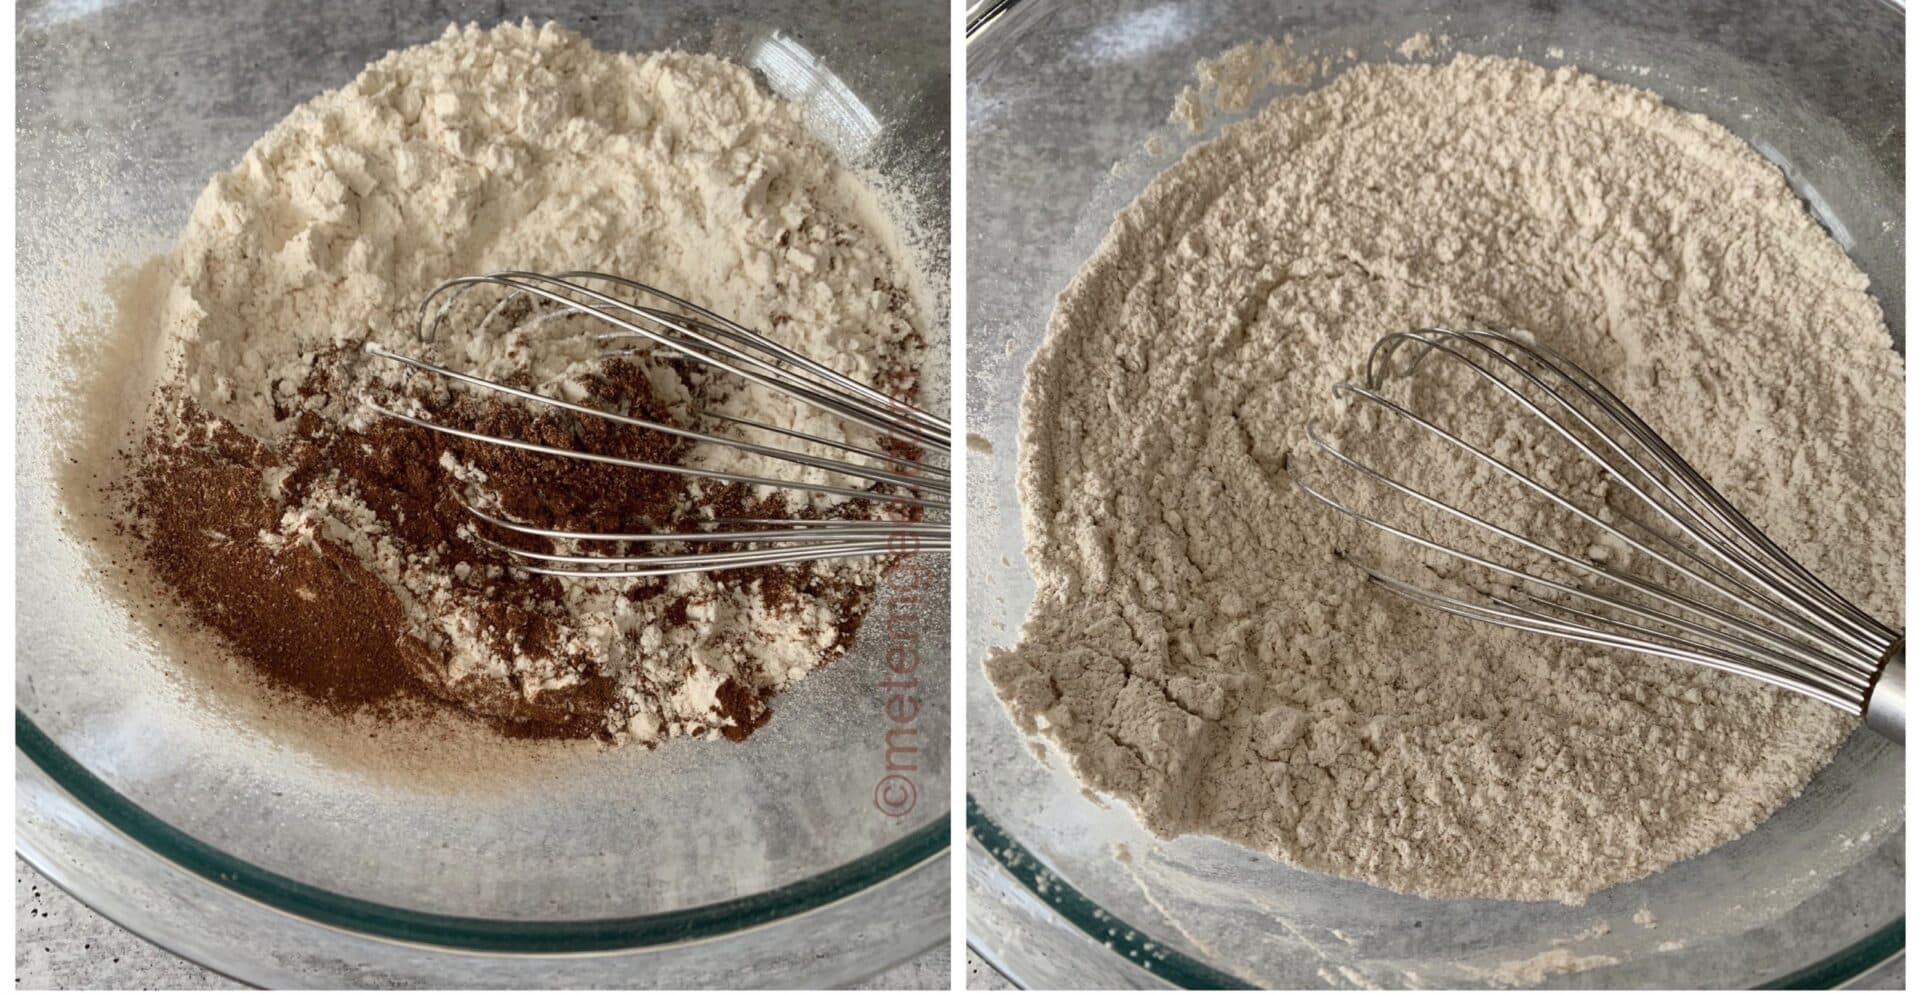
point(521, 147)
point(1196, 649)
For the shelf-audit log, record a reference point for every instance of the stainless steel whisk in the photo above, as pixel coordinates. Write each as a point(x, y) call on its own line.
point(635, 315)
point(1715, 591)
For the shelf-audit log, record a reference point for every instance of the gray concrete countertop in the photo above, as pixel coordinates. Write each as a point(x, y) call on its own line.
point(60, 944)
point(981, 976)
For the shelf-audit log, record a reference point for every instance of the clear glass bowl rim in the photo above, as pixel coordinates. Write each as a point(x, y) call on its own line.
point(1181, 970)
point(487, 935)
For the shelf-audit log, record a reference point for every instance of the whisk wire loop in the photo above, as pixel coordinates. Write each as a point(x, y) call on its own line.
point(715, 341)
point(899, 473)
point(1654, 643)
point(1795, 662)
point(1722, 529)
point(795, 529)
point(1670, 598)
point(1711, 587)
point(798, 458)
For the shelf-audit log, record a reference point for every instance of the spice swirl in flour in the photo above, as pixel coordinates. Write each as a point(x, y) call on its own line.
point(1195, 647)
point(329, 547)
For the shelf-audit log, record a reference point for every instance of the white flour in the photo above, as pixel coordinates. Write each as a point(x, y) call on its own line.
point(523, 148)
point(1195, 649)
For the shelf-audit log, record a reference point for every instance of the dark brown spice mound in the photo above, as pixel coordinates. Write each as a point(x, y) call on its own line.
point(316, 622)
point(312, 619)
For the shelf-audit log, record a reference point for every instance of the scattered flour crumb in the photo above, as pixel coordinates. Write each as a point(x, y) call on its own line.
point(1597, 930)
point(1423, 46)
point(1227, 84)
point(1552, 963)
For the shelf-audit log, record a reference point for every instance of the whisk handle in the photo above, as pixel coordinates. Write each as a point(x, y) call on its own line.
point(1887, 702)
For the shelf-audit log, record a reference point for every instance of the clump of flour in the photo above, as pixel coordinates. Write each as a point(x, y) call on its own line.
point(523, 148)
point(1228, 82)
point(1196, 649)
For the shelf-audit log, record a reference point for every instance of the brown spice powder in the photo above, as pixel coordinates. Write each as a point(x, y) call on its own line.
point(313, 620)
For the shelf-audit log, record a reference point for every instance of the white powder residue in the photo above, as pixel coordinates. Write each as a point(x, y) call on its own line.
point(1228, 83)
point(1196, 650)
point(1553, 962)
point(1422, 46)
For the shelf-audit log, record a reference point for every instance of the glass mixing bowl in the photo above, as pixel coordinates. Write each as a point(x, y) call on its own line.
point(699, 864)
point(1062, 98)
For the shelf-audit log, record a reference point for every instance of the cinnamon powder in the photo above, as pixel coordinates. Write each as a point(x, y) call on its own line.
point(317, 623)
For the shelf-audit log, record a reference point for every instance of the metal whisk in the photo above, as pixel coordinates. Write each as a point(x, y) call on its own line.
point(1709, 589)
point(634, 318)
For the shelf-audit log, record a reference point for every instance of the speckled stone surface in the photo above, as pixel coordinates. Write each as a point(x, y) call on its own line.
point(981, 976)
point(60, 944)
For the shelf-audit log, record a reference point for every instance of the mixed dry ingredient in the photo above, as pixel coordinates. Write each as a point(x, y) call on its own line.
point(328, 546)
point(1195, 648)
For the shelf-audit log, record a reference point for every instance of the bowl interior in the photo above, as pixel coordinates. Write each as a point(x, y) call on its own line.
point(125, 110)
point(1062, 101)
